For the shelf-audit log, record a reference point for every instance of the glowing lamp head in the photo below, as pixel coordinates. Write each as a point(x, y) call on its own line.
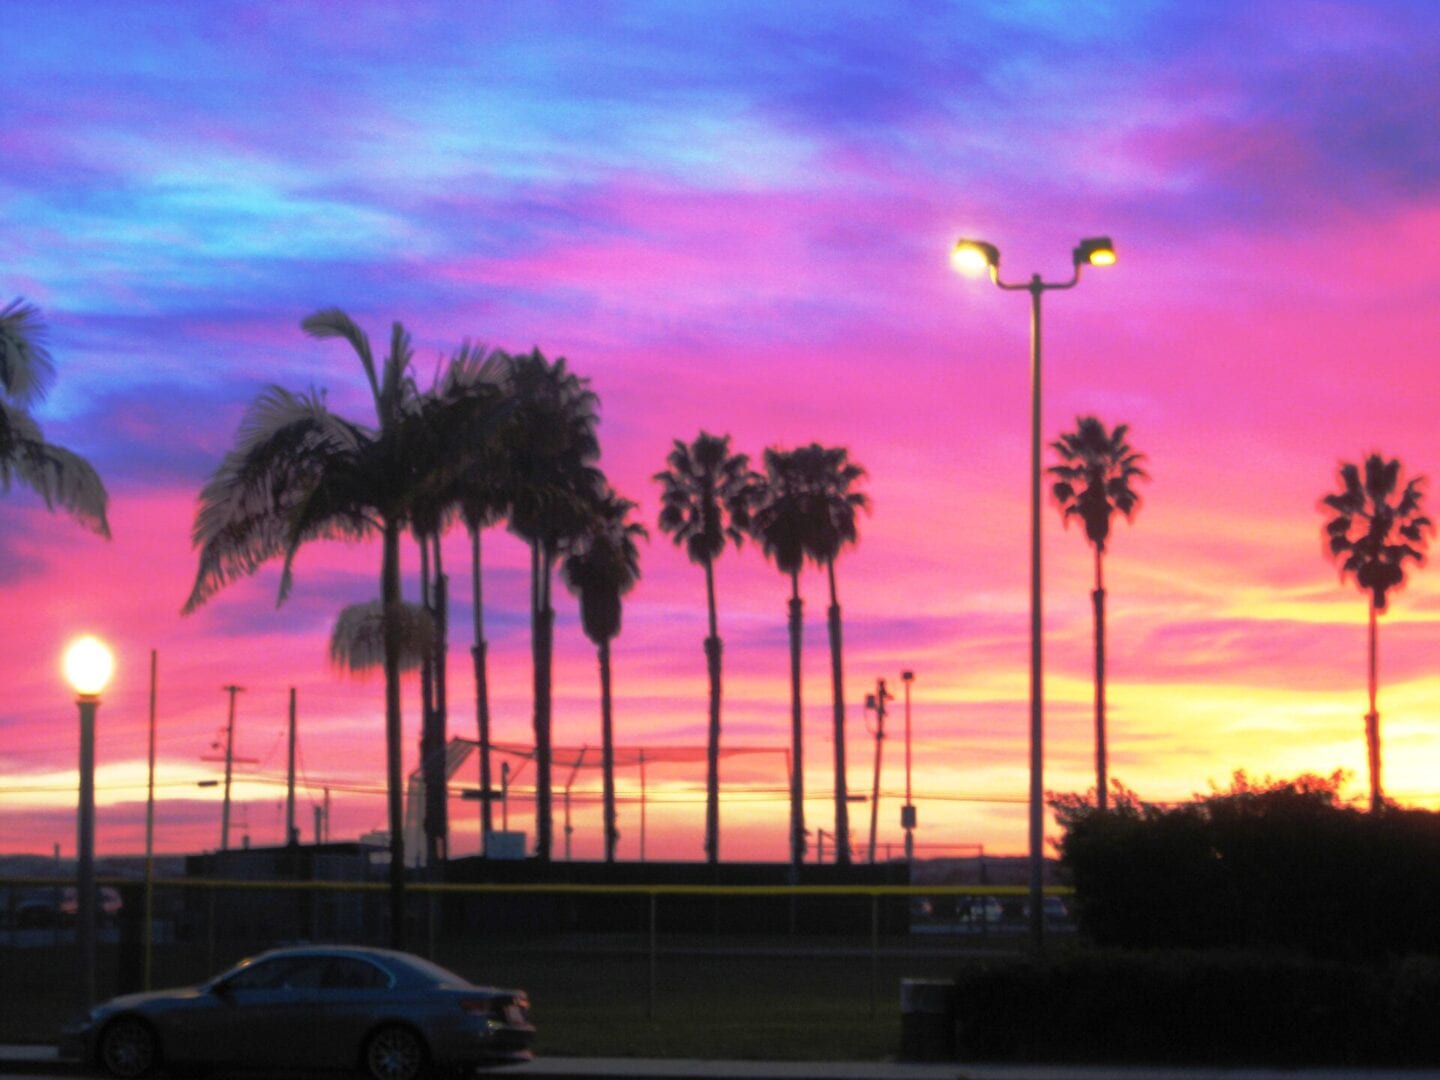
point(88, 664)
point(975, 257)
point(1095, 251)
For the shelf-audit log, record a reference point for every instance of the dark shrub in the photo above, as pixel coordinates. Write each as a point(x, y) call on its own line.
point(1199, 1008)
point(1276, 866)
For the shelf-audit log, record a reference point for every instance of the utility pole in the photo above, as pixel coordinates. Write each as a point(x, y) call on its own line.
point(229, 765)
point(877, 702)
point(642, 804)
point(292, 835)
point(505, 796)
point(579, 761)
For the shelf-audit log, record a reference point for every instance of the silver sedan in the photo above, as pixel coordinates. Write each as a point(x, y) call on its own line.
point(392, 1015)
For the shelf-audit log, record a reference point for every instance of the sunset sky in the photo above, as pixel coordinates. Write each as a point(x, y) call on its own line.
point(737, 217)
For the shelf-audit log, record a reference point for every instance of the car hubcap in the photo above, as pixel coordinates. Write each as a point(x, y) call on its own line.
point(394, 1055)
point(129, 1049)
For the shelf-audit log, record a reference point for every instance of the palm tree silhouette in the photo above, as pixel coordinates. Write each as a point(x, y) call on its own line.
point(1093, 481)
point(457, 417)
point(551, 443)
point(298, 473)
point(601, 565)
point(1372, 539)
point(784, 524)
point(60, 477)
point(481, 494)
point(706, 499)
point(832, 476)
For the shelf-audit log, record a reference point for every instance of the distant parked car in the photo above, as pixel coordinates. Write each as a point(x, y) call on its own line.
point(391, 1015)
point(982, 909)
point(1054, 909)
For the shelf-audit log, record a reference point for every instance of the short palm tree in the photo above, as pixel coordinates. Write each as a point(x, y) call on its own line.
point(601, 565)
point(834, 476)
point(1094, 479)
point(60, 477)
point(1372, 538)
point(299, 472)
point(551, 446)
point(706, 501)
point(784, 524)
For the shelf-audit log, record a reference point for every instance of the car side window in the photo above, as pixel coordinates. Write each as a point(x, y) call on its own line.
point(263, 975)
point(305, 973)
point(347, 973)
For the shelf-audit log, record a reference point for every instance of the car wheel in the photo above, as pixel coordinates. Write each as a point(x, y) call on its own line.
point(395, 1053)
point(129, 1048)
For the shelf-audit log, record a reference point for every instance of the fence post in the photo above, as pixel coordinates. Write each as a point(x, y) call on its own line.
point(650, 998)
point(874, 954)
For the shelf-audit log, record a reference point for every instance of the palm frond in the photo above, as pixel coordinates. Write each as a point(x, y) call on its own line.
point(357, 641)
point(1377, 538)
point(332, 322)
point(295, 467)
point(26, 369)
point(62, 478)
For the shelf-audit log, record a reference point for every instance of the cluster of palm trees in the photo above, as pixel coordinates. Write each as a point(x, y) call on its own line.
point(496, 437)
point(502, 437)
point(803, 507)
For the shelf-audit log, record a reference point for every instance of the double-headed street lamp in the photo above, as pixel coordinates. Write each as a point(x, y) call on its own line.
point(975, 257)
point(88, 665)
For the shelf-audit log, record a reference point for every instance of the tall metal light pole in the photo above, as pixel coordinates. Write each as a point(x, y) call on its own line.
point(88, 665)
point(974, 257)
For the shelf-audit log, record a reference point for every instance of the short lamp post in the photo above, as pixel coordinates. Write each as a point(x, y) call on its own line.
point(88, 665)
point(975, 257)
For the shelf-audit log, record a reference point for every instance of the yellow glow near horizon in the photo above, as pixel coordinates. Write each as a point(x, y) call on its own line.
point(88, 665)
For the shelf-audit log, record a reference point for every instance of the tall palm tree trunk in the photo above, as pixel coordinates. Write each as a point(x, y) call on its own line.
point(607, 753)
point(390, 603)
point(440, 717)
point(542, 625)
point(712, 743)
point(430, 775)
point(1372, 718)
point(482, 693)
point(797, 763)
point(1101, 778)
point(837, 679)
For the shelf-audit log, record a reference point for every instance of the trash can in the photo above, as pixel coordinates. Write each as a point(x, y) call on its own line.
point(927, 1019)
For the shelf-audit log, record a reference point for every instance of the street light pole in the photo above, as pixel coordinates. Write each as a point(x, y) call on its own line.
point(877, 702)
point(148, 934)
point(972, 256)
point(88, 665)
point(907, 812)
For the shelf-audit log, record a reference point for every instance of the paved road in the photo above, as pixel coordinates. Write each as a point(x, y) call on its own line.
point(34, 1062)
